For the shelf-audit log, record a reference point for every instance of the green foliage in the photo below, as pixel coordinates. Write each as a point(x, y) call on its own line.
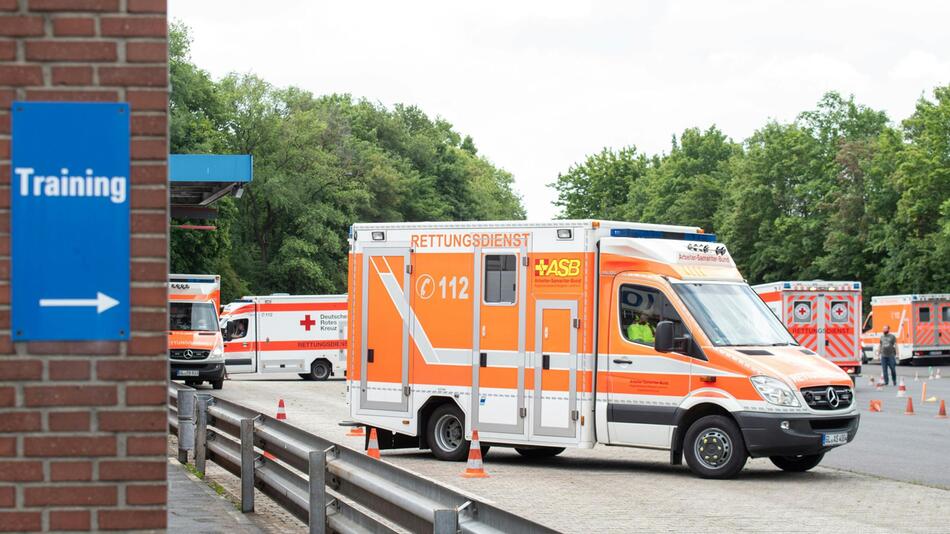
point(839, 193)
point(320, 165)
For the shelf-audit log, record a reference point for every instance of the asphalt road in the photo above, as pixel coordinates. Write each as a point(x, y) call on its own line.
point(897, 446)
point(615, 489)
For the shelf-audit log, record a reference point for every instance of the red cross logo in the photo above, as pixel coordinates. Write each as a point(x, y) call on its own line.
point(802, 311)
point(307, 322)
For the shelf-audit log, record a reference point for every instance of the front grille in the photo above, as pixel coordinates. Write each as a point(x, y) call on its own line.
point(189, 354)
point(830, 424)
point(820, 397)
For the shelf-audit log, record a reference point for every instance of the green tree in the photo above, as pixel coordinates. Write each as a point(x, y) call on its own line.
point(598, 187)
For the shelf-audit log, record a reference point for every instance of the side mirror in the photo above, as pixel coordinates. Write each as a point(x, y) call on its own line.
point(663, 337)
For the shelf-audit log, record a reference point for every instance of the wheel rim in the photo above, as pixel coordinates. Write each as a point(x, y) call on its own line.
point(449, 434)
point(713, 448)
point(321, 371)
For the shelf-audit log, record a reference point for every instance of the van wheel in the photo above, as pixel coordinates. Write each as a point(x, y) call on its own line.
point(320, 370)
point(714, 447)
point(446, 433)
point(539, 452)
point(217, 384)
point(797, 464)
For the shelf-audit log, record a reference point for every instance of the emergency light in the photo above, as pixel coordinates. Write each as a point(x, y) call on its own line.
point(656, 234)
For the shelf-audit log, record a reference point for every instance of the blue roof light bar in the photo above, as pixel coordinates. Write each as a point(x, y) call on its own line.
point(656, 234)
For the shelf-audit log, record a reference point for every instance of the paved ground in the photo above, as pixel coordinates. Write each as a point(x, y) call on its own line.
point(194, 507)
point(613, 489)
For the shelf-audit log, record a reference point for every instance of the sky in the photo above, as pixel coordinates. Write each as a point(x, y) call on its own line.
point(541, 84)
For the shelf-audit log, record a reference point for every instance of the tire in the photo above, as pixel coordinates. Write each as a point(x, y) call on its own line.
point(217, 384)
point(319, 370)
point(728, 454)
point(446, 433)
point(797, 464)
point(535, 453)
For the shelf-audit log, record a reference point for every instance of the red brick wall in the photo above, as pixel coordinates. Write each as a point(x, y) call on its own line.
point(82, 425)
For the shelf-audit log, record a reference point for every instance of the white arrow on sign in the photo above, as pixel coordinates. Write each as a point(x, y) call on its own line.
point(102, 302)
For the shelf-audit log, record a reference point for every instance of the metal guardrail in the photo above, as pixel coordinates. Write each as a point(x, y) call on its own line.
point(330, 487)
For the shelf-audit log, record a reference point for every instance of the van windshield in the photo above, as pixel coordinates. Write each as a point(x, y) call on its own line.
point(732, 314)
point(191, 316)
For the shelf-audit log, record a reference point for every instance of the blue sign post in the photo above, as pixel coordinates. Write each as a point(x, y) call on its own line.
point(70, 221)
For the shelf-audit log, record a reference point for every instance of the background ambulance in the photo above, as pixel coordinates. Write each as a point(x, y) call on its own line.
point(304, 334)
point(195, 345)
point(823, 316)
point(523, 331)
point(920, 322)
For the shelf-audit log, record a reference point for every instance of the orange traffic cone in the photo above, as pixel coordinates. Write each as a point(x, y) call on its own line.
point(876, 405)
point(281, 414)
point(942, 412)
point(356, 432)
point(474, 468)
point(910, 407)
point(373, 450)
point(923, 392)
point(901, 389)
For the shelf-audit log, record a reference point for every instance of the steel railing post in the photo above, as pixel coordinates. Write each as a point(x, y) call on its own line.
point(247, 465)
point(445, 522)
point(186, 423)
point(201, 433)
point(317, 474)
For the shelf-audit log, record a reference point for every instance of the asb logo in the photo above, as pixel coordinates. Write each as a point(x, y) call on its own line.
point(557, 267)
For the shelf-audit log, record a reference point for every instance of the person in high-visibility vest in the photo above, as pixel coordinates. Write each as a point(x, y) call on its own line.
point(640, 332)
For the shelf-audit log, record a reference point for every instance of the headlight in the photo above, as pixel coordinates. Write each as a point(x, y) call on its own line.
point(216, 353)
point(774, 391)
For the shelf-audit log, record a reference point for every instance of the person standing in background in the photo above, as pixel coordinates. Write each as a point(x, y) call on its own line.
point(888, 352)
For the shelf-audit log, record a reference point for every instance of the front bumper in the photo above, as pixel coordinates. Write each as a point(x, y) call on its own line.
point(207, 372)
point(764, 435)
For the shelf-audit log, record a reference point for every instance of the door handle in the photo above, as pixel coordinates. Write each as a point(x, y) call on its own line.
point(483, 359)
point(545, 361)
point(622, 361)
point(369, 355)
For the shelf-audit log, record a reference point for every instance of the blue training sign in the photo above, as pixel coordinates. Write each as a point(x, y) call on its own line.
point(70, 221)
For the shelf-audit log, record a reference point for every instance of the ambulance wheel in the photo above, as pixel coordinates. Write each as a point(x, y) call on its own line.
point(319, 370)
point(217, 384)
point(714, 447)
point(797, 464)
point(539, 452)
point(446, 433)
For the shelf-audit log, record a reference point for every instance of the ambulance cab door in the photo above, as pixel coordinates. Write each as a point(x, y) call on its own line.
point(644, 387)
point(555, 368)
point(801, 319)
point(240, 343)
point(925, 324)
point(385, 334)
point(499, 342)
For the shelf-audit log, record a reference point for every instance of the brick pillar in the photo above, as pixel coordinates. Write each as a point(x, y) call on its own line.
point(82, 425)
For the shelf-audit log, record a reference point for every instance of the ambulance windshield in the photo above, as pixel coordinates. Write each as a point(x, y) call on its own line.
point(191, 316)
point(733, 315)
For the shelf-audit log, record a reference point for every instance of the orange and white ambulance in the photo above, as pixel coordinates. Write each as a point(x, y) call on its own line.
point(823, 316)
point(195, 345)
point(571, 333)
point(303, 334)
point(920, 322)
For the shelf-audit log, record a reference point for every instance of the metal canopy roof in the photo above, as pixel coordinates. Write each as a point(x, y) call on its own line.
point(196, 181)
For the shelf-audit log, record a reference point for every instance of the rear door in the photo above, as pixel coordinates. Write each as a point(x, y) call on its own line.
point(802, 319)
point(240, 350)
point(942, 310)
point(841, 317)
point(384, 384)
point(925, 324)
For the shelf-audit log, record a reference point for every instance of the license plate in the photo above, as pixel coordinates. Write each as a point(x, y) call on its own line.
point(836, 438)
point(187, 372)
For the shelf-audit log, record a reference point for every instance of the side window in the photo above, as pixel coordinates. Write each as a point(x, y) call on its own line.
point(945, 314)
point(237, 329)
point(839, 311)
point(501, 278)
point(923, 314)
point(641, 308)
